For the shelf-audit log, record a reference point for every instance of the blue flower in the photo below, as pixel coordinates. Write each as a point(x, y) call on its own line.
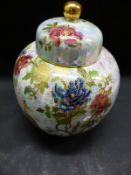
point(75, 95)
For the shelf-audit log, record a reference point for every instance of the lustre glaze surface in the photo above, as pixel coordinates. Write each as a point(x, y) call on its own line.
point(65, 81)
point(68, 43)
point(61, 100)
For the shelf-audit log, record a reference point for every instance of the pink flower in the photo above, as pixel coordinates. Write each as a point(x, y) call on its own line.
point(68, 31)
point(70, 41)
point(56, 33)
point(79, 35)
point(56, 40)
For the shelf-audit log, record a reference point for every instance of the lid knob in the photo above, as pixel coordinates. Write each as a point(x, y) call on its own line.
point(72, 10)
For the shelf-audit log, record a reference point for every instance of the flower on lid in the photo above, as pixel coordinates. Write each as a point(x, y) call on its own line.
point(69, 33)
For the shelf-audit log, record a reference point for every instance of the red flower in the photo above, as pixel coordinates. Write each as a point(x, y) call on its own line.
point(22, 62)
point(100, 103)
point(63, 31)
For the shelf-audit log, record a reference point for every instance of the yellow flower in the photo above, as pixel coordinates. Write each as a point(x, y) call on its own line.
point(42, 72)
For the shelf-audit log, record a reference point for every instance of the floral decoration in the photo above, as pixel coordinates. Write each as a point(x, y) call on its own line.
point(68, 103)
point(22, 62)
point(74, 96)
point(61, 35)
point(100, 103)
point(72, 99)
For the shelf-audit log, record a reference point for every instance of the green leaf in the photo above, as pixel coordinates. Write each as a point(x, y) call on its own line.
point(52, 25)
point(55, 24)
point(90, 123)
point(41, 43)
point(40, 110)
point(91, 83)
point(61, 117)
point(82, 72)
point(109, 77)
point(101, 91)
point(30, 91)
point(50, 46)
point(27, 76)
point(109, 91)
point(41, 86)
point(62, 121)
point(93, 73)
point(100, 85)
point(46, 28)
point(47, 111)
point(78, 112)
point(30, 75)
point(49, 26)
point(94, 110)
point(27, 90)
point(74, 45)
point(55, 79)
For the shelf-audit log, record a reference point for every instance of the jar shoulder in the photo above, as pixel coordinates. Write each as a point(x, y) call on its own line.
point(105, 65)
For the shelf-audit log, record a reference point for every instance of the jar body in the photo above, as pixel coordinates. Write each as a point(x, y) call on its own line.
point(61, 100)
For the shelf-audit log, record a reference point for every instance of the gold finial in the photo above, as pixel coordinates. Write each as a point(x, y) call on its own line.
point(72, 10)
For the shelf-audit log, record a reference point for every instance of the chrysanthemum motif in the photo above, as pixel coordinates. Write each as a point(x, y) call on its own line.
point(74, 96)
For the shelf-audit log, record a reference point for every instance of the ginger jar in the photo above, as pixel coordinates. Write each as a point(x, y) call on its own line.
point(66, 81)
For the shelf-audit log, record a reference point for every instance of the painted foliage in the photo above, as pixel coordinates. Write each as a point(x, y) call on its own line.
point(66, 103)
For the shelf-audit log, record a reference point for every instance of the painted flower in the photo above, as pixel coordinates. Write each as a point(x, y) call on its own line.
point(100, 103)
point(72, 36)
point(74, 96)
point(79, 35)
point(55, 40)
point(22, 62)
point(71, 42)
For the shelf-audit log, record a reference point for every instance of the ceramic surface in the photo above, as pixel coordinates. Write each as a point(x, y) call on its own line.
point(69, 43)
point(61, 100)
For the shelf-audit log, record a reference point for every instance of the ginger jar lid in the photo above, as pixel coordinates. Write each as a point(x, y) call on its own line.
point(69, 40)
